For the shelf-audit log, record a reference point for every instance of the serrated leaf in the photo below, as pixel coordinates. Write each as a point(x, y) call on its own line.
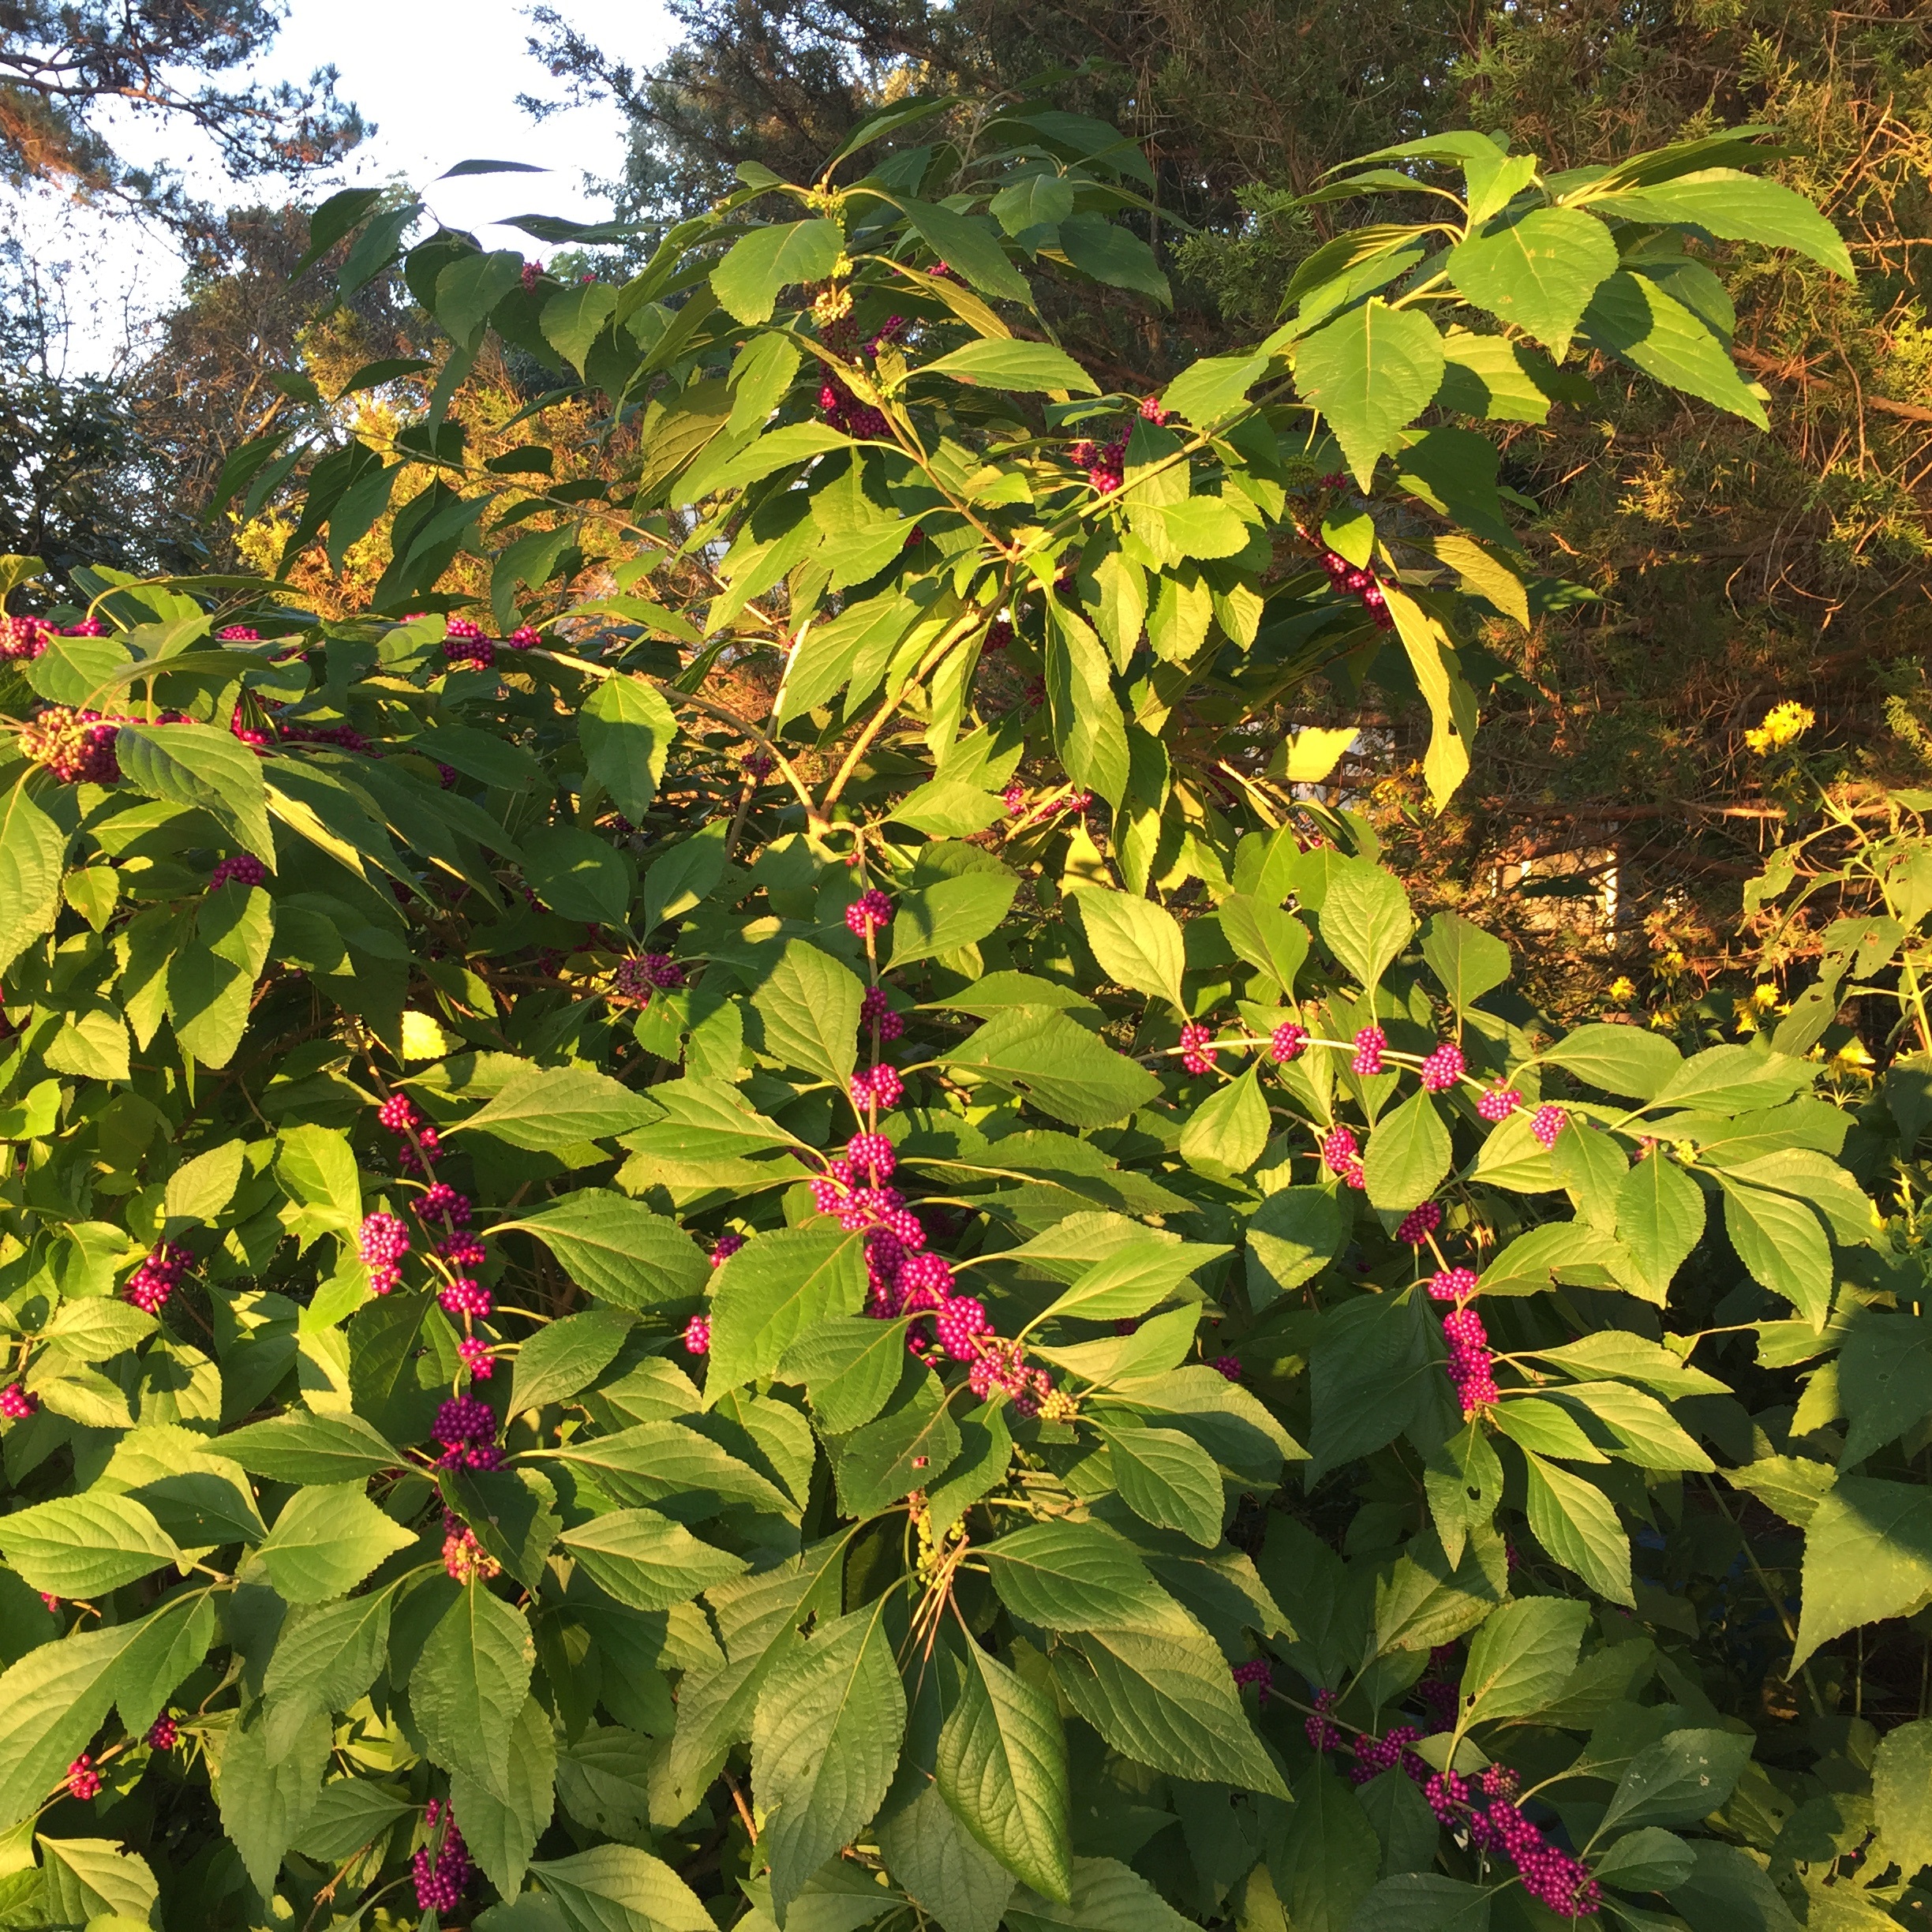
point(1370, 372)
point(468, 1689)
point(1577, 1525)
point(758, 266)
point(772, 1291)
point(326, 1540)
point(85, 1545)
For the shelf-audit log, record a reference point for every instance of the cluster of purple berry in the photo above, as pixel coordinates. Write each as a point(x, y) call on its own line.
point(24, 639)
point(1197, 1052)
point(464, 1558)
point(1371, 1044)
point(163, 1734)
point(382, 1241)
point(77, 746)
point(1442, 1068)
point(1257, 1672)
point(638, 977)
point(1499, 1102)
point(441, 1876)
point(157, 1277)
point(1105, 463)
point(1348, 580)
point(1287, 1042)
point(83, 1781)
point(1468, 1362)
point(697, 1332)
point(244, 868)
point(1417, 1224)
point(868, 913)
point(876, 1010)
point(464, 642)
point(466, 1428)
point(17, 1403)
point(1341, 1155)
point(421, 1141)
point(846, 414)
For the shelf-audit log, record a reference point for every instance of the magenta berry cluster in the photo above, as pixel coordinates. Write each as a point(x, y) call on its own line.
point(1257, 1672)
point(873, 1153)
point(397, 1115)
point(17, 1403)
point(465, 1426)
point(83, 1780)
point(464, 1560)
point(1288, 1042)
point(877, 1089)
point(1499, 1102)
point(382, 1242)
point(1350, 580)
point(697, 1335)
point(1455, 1284)
point(1371, 1044)
point(1197, 1052)
point(77, 746)
point(157, 1277)
point(1228, 1367)
point(24, 639)
point(463, 642)
point(163, 1734)
point(1419, 1223)
point(869, 911)
point(1015, 796)
point(1444, 1068)
point(245, 868)
point(1469, 1360)
point(1341, 1155)
point(876, 1010)
point(462, 1294)
point(1104, 464)
point(1546, 1124)
point(441, 1202)
point(525, 637)
point(1323, 1732)
point(442, 1879)
point(637, 978)
point(725, 1246)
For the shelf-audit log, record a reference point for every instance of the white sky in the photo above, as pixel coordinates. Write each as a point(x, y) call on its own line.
point(439, 78)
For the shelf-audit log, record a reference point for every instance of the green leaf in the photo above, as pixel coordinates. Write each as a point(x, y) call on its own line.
point(950, 913)
point(647, 1561)
point(1660, 1218)
point(1632, 318)
point(169, 1643)
point(468, 1689)
point(1106, 1896)
point(1577, 1524)
point(1074, 1576)
point(266, 1799)
point(1735, 207)
point(1364, 919)
point(1213, 388)
point(1368, 1373)
point(1867, 1556)
point(326, 1541)
point(1002, 1765)
point(627, 729)
point(1624, 1060)
point(934, 1858)
point(92, 1045)
point(1229, 1130)
point(1273, 941)
point(302, 1447)
point(577, 874)
point(759, 266)
point(807, 1013)
point(825, 1743)
point(1292, 1236)
point(349, 1813)
point(1423, 1902)
point(1130, 1280)
point(1521, 1658)
point(967, 247)
point(1783, 1244)
point(1370, 372)
point(1647, 1860)
point(1324, 1865)
point(558, 1361)
point(1008, 363)
point(1467, 961)
point(1137, 942)
point(1057, 1065)
point(551, 1107)
point(198, 765)
point(33, 852)
point(1902, 1795)
point(1113, 254)
point(616, 1888)
point(85, 1545)
point(1088, 731)
point(99, 1882)
point(850, 1366)
point(618, 1249)
point(1680, 1778)
point(1407, 1155)
point(1537, 272)
point(1167, 1479)
point(1166, 1701)
point(773, 1291)
point(665, 1466)
point(324, 1659)
point(502, 1832)
point(52, 1701)
point(914, 1442)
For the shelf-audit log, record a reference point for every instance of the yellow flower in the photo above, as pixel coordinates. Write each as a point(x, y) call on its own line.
point(1784, 724)
point(1853, 1054)
point(1622, 988)
point(1764, 995)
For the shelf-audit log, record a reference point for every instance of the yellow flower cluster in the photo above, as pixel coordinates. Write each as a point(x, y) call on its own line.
point(1784, 724)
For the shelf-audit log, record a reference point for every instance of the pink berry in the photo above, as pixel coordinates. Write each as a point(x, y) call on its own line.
point(725, 1246)
point(441, 1202)
point(1370, 1044)
point(1442, 1068)
point(17, 1403)
point(83, 1780)
point(1197, 1055)
point(1338, 1150)
point(869, 911)
point(244, 868)
point(1419, 1224)
point(163, 1734)
point(1546, 1124)
point(697, 1335)
point(1499, 1103)
point(1455, 1284)
point(872, 1153)
point(1228, 1366)
point(1287, 1042)
point(397, 1115)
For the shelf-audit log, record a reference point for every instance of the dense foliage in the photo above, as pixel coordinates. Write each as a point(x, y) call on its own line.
point(789, 1241)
